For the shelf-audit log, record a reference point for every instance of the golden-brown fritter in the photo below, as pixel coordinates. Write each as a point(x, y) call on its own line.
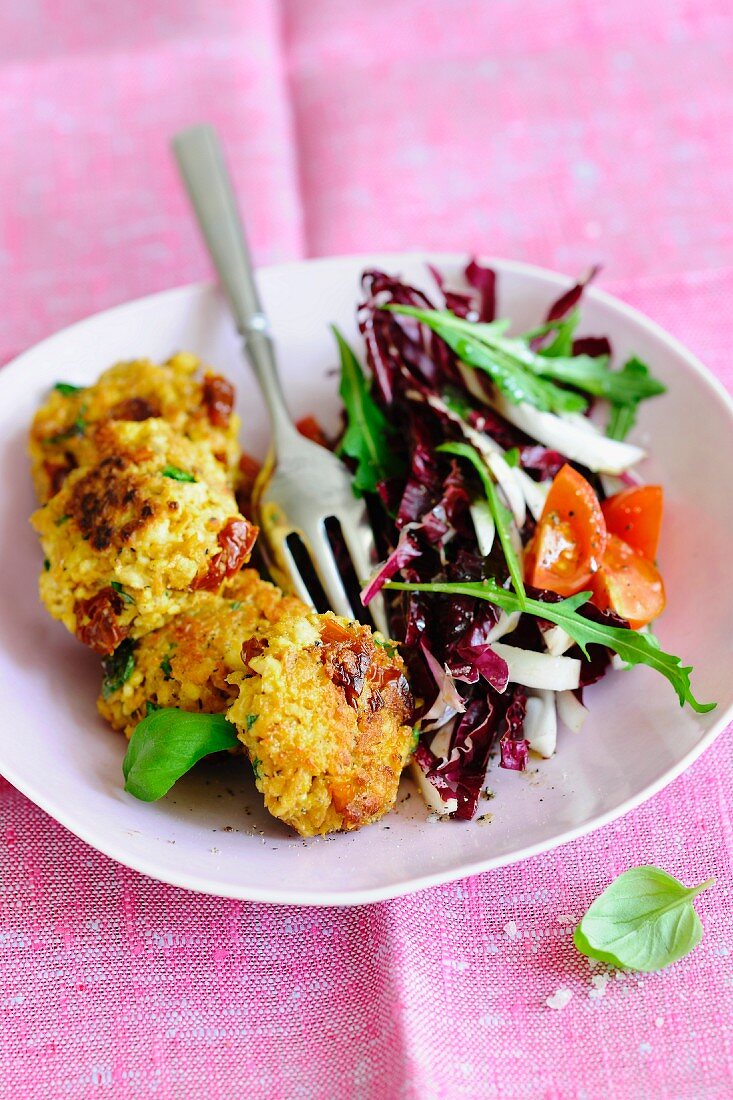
point(62, 435)
point(323, 711)
point(127, 540)
point(186, 663)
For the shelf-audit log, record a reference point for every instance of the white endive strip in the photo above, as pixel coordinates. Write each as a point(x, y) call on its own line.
point(484, 526)
point(432, 799)
point(557, 641)
point(441, 742)
point(571, 711)
point(573, 436)
point(448, 701)
point(540, 722)
point(506, 624)
point(535, 492)
point(539, 670)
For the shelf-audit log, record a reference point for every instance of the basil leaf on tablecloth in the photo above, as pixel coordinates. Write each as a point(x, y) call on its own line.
point(644, 920)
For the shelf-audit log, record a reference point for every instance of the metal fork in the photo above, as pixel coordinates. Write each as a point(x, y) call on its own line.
point(302, 485)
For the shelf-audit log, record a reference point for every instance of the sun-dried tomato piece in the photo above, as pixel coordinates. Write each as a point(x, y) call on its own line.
point(96, 621)
point(252, 648)
point(236, 539)
point(134, 408)
point(218, 397)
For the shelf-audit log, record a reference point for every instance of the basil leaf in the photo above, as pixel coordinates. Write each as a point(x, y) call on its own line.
point(177, 474)
point(632, 646)
point(166, 744)
point(67, 389)
point(507, 361)
point(366, 438)
point(499, 512)
point(644, 920)
point(118, 667)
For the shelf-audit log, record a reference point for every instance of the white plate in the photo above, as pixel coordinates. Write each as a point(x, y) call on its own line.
point(211, 833)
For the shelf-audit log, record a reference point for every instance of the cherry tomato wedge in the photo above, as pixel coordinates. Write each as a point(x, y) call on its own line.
point(628, 584)
point(635, 515)
point(570, 539)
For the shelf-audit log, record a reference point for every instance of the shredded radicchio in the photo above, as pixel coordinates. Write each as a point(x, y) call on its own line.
point(424, 528)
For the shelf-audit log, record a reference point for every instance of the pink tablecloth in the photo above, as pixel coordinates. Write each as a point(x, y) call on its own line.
point(557, 131)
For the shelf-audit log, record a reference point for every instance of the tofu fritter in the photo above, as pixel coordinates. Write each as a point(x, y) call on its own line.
point(186, 662)
point(322, 710)
point(128, 539)
point(62, 435)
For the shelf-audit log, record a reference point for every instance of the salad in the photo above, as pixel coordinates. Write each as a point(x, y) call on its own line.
point(518, 542)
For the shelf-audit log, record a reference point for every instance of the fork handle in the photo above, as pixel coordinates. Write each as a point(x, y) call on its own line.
point(201, 164)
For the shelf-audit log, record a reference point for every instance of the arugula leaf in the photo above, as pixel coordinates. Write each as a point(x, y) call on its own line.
point(624, 387)
point(366, 438)
point(623, 416)
point(166, 744)
point(508, 362)
point(632, 646)
point(525, 375)
point(176, 474)
point(564, 329)
point(644, 920)
point(67, 389)
point(500, 513)
point(118, 667)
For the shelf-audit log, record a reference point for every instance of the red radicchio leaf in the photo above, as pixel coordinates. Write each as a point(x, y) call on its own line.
point(513, 745)
point(483, 279)
point(460, 304)
point(592, 345)
point(569, 300)
point(472, 661)
point(405, 551)
point(547, 463)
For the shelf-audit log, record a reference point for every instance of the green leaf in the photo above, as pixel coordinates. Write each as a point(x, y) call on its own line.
point(631, 645)
point(564, 329)
point(507, 361)
point(512, 457)
point(624, 387)
point(366, 438)
point(525, 375)
point(176, 474)
point(644, 920)
point(166, 744)
point(67, 389)
point(126, 598)
point(500, 513)
point(623, 415)
point(76, 429)
point(118, 667)
point(165, 667)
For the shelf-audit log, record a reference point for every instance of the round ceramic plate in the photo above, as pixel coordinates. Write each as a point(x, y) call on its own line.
point(211, 833)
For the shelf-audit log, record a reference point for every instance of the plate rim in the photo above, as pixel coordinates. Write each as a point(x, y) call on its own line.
point(371, 895)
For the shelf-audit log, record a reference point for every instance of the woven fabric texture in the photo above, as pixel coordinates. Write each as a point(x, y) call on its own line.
point(555, 131)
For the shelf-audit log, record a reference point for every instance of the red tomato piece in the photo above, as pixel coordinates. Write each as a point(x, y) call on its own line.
point(635, 515)
point(570, 539)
